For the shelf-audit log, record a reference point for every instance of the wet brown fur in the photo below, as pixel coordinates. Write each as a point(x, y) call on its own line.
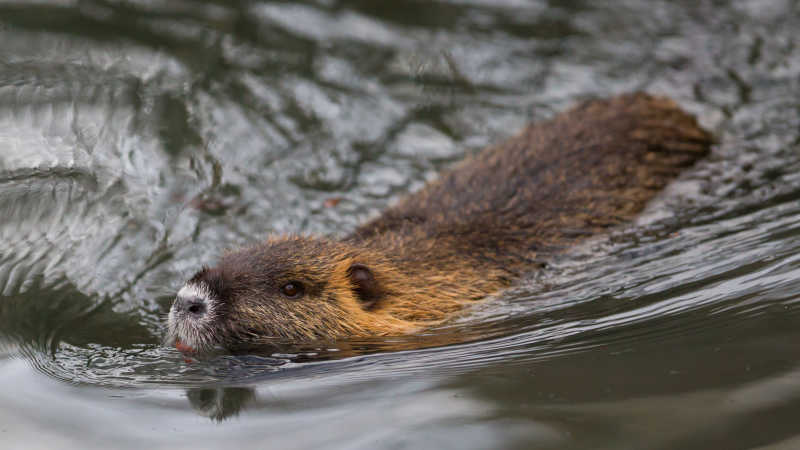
point(467, 235)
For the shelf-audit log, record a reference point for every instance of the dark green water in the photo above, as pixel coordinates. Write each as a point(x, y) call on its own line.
point(139, 139)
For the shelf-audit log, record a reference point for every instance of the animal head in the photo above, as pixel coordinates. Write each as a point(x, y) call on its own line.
point(287, 289)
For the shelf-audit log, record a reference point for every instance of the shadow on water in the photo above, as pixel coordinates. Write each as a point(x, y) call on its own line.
point(43, 319)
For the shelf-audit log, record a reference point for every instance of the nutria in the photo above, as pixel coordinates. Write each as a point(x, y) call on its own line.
point(471, 233)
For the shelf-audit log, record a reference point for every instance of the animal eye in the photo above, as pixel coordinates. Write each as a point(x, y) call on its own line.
point(292, 290)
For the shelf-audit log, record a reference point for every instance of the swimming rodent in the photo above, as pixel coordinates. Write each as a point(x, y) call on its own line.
point(468, 234)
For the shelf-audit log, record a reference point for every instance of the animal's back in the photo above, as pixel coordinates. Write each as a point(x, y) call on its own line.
point(589, 168)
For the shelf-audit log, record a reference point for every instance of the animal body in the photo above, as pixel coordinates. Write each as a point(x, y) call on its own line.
point(470, 233)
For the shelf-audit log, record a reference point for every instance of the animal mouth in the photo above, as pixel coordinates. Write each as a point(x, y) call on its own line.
point(187, 336)
point(192, 338)
point(191, 324)
point(184, 348)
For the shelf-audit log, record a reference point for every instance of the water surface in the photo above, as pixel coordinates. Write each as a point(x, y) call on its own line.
point(139, 139)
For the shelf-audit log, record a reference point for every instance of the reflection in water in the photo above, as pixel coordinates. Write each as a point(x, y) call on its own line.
point(219, 404)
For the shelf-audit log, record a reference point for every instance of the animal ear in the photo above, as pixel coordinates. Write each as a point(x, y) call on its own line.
point(367, 289)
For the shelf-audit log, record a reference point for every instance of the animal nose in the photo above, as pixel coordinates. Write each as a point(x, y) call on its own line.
point(193, 305)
